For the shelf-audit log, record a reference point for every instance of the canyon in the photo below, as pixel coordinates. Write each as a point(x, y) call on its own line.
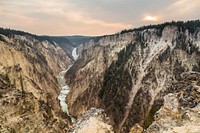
point(142, 80)
point(135, 75)
point(29, 66)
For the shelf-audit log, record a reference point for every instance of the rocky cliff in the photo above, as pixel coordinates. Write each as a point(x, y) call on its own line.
point(134, 74)
point(29, 66)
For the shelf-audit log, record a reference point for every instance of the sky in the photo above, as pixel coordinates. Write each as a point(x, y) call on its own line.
point(92, 17)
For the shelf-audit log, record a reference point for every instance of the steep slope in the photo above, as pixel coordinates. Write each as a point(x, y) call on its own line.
point(128, 74)
point(64, 43)
point(28, 83)
point(180, 112)
point(88, 70)
point(93, 121)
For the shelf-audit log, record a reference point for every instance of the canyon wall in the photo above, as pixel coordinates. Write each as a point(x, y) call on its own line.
point(28, 84)
point(130, 74)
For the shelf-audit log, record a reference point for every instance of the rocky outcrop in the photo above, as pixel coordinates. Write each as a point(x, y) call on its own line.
point(94, 120)
point(130, 74)
point(29, 86)
point(180, 112)
point(87, 44)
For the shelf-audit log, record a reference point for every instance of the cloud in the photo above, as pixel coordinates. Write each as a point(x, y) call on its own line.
point(181, 10)
point(91, 17)
point(185, 6)
point(61, 18)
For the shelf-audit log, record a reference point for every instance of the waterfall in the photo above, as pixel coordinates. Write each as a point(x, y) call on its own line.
point(74, 54)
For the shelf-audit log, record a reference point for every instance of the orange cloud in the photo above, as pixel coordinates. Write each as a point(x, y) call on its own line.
point(56, 19)
point(66, 17)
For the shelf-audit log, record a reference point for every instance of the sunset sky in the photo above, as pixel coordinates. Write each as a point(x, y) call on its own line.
point(91, 17)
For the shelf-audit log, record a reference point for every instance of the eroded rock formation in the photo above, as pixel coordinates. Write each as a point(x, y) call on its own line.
point(131, 74)
point(29, 86)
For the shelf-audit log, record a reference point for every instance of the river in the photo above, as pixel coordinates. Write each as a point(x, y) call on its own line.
point(64, 88)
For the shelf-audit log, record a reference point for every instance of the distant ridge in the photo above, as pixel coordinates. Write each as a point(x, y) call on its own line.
point(78, 39)
point(191, 25)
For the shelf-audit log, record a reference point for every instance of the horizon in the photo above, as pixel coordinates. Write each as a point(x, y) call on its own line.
point(103, 34)
point(92, 18)
point(99, 35)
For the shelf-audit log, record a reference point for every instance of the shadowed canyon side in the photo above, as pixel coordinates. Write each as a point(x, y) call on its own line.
point(29, 66)
point(135, 74)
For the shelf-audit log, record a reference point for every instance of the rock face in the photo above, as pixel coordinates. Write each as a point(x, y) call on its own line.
point(132, 74)
point(93, 121)
point(181, 109)
point(28, 84)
